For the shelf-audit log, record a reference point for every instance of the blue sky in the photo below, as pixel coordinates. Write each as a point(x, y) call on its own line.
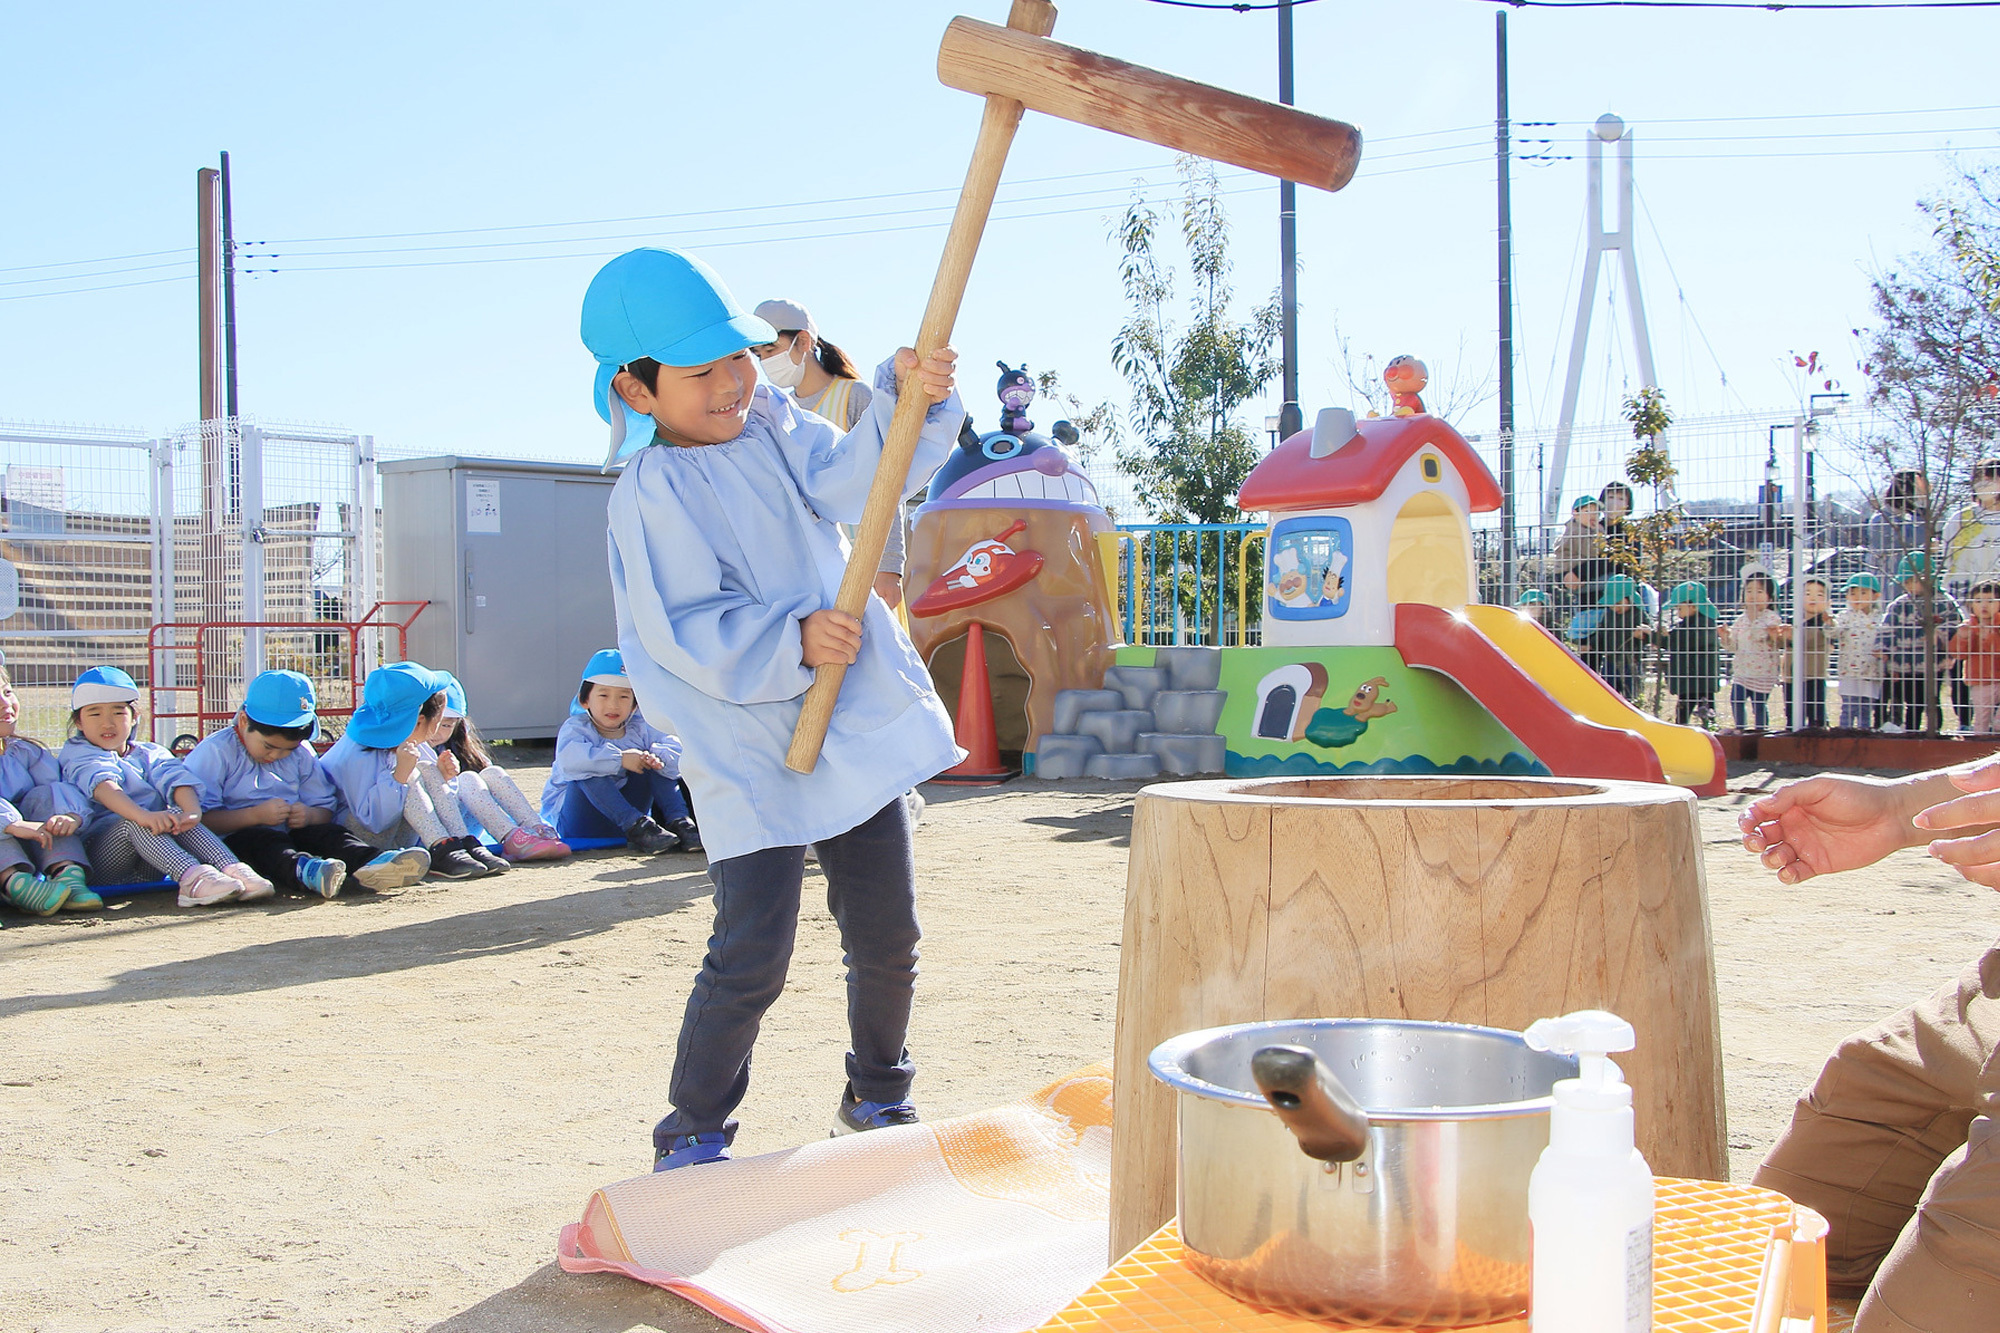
point(808, 151)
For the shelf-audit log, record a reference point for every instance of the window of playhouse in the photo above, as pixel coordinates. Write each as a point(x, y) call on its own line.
point(1308, 574)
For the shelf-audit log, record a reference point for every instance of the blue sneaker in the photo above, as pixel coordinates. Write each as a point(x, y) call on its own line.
point(691, 1150)
point(320, 875)
point(856, 1117)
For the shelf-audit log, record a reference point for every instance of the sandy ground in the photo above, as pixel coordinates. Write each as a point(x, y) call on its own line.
point(376, 1113)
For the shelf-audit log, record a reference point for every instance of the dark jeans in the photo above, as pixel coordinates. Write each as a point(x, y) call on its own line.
point(274, 852)
point(1808, 713)
point(608, 807)
point(1758, 700)
point(871, 891)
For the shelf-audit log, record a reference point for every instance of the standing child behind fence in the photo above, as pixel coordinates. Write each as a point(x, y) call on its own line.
point(1752, 639)
point(42, 862)
point(374, 764)
point(1694, 653)
point(457, 771)
point(1914, 664)
point(145, 805)
point(1857, 633)
point(1977, 644)
point(1807, 708)
point(615, 771)
point(1615, 645)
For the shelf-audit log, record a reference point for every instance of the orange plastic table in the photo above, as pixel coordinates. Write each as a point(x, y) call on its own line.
point(1725, 1257)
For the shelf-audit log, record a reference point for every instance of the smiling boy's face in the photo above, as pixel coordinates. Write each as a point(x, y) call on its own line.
point(696, 404)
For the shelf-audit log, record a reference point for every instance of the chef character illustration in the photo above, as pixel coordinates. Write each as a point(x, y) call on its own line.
point(1289, 588)
point(1333, 585)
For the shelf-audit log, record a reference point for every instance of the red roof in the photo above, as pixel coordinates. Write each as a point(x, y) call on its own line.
point(1360, 470)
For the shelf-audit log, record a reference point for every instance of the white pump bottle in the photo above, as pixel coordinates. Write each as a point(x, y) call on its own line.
point(1590, 1199)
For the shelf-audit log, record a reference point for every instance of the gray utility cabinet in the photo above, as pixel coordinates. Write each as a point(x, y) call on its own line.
point(511, 557)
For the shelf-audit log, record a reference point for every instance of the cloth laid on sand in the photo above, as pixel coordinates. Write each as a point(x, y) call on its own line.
point(992, 1221)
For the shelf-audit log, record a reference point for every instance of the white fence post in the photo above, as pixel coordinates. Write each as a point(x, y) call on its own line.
point(252, 481)
point(367, 588)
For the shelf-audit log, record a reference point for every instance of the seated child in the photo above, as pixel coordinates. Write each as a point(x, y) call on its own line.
point(42, 862)
point(272, 803)
point(374, 767)
point(456, 770)
point(615, 771)
point(1694, 653)
point(145, 805)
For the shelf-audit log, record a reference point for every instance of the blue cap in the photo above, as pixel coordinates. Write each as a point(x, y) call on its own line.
point(281, 699)
point(391, 699)
point(103, 685)
point(607, 667)
point(664, 305)
point(454, 694)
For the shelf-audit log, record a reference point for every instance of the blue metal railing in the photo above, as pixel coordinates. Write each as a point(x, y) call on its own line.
point(1188, 583)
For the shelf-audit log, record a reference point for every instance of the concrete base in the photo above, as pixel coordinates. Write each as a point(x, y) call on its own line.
point(1190, 668)
point(1119, 730)
point(1070, 705)
point(1137, 684)
point(1857, 749)
point(1188, 712)
point(1065, 756)
point(1184, 756)
point(1122, 766)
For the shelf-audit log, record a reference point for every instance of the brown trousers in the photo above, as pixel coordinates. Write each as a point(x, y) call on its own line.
point(1898, 1145)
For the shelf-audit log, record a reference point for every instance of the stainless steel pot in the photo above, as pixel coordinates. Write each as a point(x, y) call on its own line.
point(1426, 1225)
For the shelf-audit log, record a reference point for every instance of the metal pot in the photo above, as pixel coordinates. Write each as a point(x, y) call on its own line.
point(1424, 1224)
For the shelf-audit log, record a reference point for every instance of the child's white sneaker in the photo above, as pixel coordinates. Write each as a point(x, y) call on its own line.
point(205, 886)
point(255, 886)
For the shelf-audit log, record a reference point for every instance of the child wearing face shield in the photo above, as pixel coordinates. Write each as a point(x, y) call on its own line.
point(821, 379)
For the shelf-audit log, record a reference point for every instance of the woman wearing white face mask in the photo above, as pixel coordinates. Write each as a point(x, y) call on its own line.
point(821, 379)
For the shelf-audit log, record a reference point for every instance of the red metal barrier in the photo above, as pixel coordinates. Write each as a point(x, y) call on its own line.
point(193, 636)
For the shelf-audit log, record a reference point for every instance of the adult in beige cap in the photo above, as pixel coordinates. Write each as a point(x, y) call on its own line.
point(821, 379)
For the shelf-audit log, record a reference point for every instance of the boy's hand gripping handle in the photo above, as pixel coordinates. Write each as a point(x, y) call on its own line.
point(885, 497)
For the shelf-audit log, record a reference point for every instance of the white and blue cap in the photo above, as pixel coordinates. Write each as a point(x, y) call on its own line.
point(103, 685)
point(454, 694)
point(662, 305)
point(607, 667)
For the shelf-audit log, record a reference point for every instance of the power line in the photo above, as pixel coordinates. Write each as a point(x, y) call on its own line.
point(109, 287)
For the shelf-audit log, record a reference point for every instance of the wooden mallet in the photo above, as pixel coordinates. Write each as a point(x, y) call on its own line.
point(1014, 68)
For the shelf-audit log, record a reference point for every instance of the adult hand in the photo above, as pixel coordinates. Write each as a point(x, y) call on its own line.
point(934, 372)
point(829, 636)
point(1976, 856)
point(1824, 824)
point(889, 587)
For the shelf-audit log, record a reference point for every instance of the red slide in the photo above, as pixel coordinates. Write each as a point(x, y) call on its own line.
point(1437, 640)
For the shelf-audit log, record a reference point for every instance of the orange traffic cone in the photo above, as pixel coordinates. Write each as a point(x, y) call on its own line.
point(982, 766)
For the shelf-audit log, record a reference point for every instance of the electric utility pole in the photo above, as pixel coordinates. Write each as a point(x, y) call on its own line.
point(1503, 153)
point(1290, 419)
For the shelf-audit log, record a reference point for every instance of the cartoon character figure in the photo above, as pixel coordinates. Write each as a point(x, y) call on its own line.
point(1289, 588)
point(1331, 728)
point(988, 568)
point(1016, 391)
point(1406, 377)
point(1333, 585)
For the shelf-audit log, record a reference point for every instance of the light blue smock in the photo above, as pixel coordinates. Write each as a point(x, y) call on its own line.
point(717, 552)
point(25, 766)
point(582, 751)
point(146, 773)
point(232, 780)
point(366, 781)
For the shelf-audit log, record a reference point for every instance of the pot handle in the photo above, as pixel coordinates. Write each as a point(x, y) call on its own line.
point(1327, 1122)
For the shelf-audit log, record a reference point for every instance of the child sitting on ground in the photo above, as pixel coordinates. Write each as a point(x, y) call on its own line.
point(374, 767)
point(272, 803)
point(1977, 644)
point(1752, 639)
point(1855, 633)
point(615, 771)
point(1694, 653)
point(145, 805)
point(42, 862)
point(456, 770)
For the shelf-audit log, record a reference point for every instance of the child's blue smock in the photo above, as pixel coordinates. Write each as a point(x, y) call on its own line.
point(232, 780)
point(146, 773)
point(717, 553)
point(24, 766)
point(366, 781)
point(582, 751)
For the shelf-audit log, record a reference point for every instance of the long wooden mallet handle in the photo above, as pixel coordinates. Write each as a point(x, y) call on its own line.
point(885, 498)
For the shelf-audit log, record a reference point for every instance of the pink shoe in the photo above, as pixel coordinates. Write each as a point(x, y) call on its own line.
point(525, 845)
point(255, 886)
point(205, 886)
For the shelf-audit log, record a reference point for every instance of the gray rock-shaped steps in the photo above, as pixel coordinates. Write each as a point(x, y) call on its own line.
point(1190, 668)
point(1184, 756)
point(1137, 684)
point(1065, 756)
point(1122, 766)
point(1188, 712)
point(1119, 729)
point(1073, 704)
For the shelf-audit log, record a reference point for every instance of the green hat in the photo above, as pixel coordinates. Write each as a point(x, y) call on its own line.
point(1532, 595)
point(1868, 581)
point(1913, 565)
point(1693, 593)
point(1583, 500)
point(1619, 588)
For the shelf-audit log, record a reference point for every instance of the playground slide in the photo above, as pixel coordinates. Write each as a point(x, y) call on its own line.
point(1572, 720)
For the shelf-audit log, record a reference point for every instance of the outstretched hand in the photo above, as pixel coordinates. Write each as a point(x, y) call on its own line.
point(1825, 824)
point(1976, 855)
